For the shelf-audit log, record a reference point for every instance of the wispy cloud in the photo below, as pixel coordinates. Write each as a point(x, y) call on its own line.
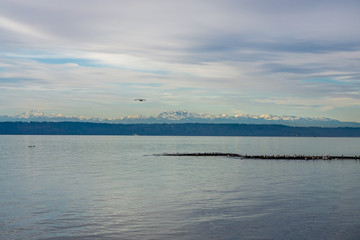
point(216, 56)
point(10, 25)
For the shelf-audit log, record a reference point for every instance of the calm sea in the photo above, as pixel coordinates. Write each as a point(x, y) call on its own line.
point(113, 187)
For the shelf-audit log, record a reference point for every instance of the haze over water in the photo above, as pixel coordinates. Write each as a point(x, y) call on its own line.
point(113, 187)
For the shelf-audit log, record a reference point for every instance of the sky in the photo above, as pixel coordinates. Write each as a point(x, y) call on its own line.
point(93, 58)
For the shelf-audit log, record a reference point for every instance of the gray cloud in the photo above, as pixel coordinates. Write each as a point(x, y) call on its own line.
point(225, 48)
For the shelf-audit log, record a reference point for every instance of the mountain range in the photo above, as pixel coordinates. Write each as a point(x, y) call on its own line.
point(183, 116)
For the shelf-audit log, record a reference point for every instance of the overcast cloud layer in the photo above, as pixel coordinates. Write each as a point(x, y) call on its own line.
point(93, 58)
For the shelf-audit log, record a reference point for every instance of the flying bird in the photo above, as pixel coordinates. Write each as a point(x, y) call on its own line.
point(140, 99)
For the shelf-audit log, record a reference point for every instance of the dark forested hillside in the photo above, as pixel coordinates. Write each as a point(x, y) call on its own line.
point(187, 129)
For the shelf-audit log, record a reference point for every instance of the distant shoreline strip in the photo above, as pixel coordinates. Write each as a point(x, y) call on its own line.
point(186, 129)
point(279, 157)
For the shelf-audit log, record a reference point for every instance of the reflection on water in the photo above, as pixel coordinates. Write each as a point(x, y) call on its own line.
point(95, 187)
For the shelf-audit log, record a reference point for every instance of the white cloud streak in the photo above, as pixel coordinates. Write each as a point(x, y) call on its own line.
point(21, 28)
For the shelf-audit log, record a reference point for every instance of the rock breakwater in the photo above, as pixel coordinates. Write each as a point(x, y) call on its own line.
point(279, 157)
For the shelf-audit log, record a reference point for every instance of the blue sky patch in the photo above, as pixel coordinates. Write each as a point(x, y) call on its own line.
point(79, 61)
point(15, 80)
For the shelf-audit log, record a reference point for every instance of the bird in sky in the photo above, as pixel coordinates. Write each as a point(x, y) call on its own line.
point(140, 99)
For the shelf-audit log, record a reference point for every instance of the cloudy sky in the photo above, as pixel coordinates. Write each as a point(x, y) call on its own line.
point(94, 57)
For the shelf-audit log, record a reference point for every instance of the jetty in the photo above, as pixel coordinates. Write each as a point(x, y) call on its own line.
point(275, 157)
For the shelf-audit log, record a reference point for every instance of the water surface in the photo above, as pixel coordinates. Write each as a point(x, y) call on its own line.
point(112, 187)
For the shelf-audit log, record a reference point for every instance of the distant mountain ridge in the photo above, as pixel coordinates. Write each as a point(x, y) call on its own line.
point(183, 116)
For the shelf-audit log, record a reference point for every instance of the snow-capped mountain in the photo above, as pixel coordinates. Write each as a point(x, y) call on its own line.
point(187, 117)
